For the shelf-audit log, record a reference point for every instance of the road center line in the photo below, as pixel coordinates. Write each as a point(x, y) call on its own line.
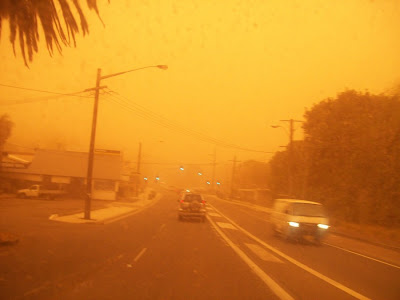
point(226, 225)
point(297, 263)
point(277, 289)
point(362, 255)
point(140, 254)
point(262, 253)
point(214, 214)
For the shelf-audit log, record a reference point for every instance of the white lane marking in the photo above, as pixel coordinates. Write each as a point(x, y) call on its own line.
point(248, 205)
point(297, 263)
point(276, 288)
point(261, 253)
point(53, 216)
point(226, 225)
point(209, 208)
point(140, 254)
point(214, 214)
point(362, 255)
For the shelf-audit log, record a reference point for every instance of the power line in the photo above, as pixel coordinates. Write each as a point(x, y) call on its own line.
point(181, 130)
point(147, 114)
point(44, 91)
point(31, 100)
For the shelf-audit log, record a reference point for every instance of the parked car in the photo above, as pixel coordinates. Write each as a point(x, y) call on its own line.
point(191, 205)
point(38, 191)
point(294, 219)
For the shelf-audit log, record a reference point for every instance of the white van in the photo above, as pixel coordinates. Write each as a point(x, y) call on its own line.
point(294, 218)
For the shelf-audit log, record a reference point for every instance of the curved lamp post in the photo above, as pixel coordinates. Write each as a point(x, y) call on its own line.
point(93, 133)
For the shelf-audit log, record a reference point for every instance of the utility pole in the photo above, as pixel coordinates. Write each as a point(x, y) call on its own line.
point(290, 154)
point(214, 166)
point(139, 160)
point(233, 176)
point(89, 176)
point(91, 149)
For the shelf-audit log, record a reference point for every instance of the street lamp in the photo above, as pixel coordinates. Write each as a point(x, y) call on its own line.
point(290, 150)
point(93, 133)
point(279, 126)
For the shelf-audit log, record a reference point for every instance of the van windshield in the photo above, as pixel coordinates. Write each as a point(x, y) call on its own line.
point(308, 210)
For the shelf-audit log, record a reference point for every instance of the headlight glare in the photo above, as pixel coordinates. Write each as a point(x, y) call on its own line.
point(323, 226)
point(294, 224)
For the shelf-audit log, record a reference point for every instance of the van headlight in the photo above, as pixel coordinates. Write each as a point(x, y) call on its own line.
point(323, 226)
point(294, 224)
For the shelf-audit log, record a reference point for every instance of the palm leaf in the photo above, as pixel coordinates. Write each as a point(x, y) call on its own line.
point(23, 16)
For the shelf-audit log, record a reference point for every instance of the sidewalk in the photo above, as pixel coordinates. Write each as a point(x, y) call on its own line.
point(64, 210)
point(116, 211)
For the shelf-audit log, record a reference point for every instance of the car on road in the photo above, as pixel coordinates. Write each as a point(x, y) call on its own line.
point(296, 219)
point(191, 205)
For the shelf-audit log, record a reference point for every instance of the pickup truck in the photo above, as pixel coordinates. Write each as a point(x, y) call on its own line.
point(38, 191)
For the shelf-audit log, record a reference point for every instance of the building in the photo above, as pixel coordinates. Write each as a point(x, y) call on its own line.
point(68, 170)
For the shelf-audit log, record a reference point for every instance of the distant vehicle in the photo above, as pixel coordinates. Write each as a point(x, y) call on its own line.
point(38, 191)
point(151, 194)
point(294, 219)
point(191, 205)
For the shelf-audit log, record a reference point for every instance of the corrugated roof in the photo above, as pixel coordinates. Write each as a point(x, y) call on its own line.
point(74, 164)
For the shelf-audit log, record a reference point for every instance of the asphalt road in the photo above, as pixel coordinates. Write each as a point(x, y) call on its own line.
point(152, 255)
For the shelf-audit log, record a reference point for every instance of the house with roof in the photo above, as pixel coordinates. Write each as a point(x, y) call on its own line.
point(68, 170)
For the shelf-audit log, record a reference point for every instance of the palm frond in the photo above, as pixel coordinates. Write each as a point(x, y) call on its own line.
point(23, 18)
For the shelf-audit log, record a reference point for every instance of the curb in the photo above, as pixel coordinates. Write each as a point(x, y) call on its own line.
point(382, 245)
point(7, 239)
point(7, 196)
point(125, 215)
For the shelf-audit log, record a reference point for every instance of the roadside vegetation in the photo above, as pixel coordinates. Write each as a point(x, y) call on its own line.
point(6, 126)
point(349, 159)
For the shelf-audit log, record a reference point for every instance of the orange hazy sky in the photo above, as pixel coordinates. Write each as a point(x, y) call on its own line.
point(235, 68)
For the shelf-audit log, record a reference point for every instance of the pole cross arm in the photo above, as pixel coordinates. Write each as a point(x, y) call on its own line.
point(95, 88)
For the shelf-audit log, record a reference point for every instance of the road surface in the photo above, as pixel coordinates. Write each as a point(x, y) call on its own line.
point(152, 255)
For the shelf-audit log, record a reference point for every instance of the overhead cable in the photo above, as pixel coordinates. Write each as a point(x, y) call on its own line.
point(160, 120)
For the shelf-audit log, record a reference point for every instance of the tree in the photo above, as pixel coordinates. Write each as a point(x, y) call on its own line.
point(253, 174)
point(349, 160)
point(354, 145)
point(5, 129)
point(279, 171)
point(24, 16)
point(5, 132)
